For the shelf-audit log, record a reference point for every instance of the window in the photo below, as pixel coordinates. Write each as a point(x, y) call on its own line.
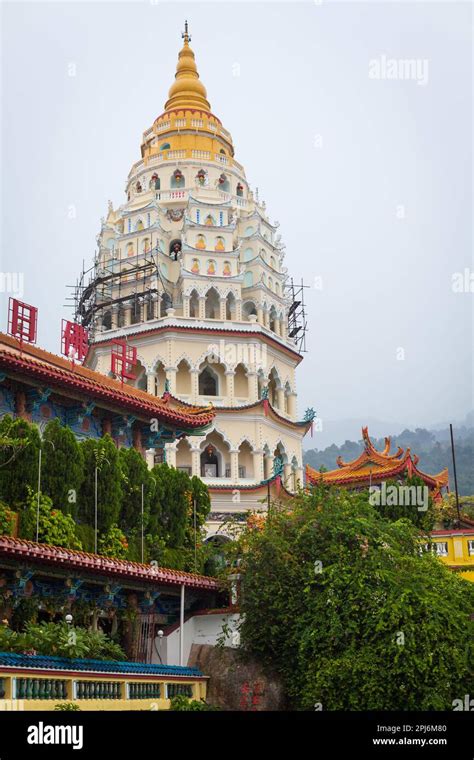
point(221, 218)
point(148, 220)
point(129, 225)
point(208, 385)
point(165, 146)
point(470, 547)
point(198, 216)
point(441, 548)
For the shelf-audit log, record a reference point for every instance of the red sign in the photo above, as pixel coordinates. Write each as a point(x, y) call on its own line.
point(74, 340)
point(22, 321)
point(124, 359)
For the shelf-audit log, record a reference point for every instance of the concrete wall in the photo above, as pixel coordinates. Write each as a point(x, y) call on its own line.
point(199, 629)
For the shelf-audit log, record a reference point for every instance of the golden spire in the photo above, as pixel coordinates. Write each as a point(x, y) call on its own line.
point(187, 91)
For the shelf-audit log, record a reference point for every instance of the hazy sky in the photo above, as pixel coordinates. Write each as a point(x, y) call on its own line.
point(370, 178)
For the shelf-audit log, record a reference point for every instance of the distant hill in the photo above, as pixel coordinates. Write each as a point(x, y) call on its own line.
point(432, 446)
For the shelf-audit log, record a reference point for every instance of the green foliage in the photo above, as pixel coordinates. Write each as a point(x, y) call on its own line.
point(184, 704)
point(104, 455)
point(62, 467)
point(343, 606)
point(113, 543)
point(135, 472)
point(19, 451)
point(7, 520)
point(424, 519)
point(62, 640)
point(67, 706)
point(55, 527)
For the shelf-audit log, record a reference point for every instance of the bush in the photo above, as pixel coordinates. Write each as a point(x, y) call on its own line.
point(67, 706)
point(55, 527)
point(7, 520)
point(61, 640)
point(181, 703)
point(113, 544)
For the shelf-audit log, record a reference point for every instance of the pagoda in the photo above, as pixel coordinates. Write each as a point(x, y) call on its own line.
point(374, 467)
point(190, 273)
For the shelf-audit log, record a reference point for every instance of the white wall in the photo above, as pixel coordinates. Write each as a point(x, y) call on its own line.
point(200, 629)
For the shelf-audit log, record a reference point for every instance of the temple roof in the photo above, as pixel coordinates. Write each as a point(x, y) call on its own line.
point(373, 466)
point(55, 371)
point(21, 550)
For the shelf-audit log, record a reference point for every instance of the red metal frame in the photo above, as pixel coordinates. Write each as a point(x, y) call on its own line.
point(123, 360)
point(74, 340)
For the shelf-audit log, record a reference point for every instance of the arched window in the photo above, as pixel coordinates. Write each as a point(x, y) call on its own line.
point(212, 304)
point(245, 460)
point(211, 267)
point(210, 221)
point(130, 250)
point(230, 307)
point(248, 279)
point(139, 225)
point(177, 179)
point(248, 254)
point(241, 383)
point(248, 310)
point(219, 246)
point(273, 317)
point(201, 242)
point(208, 383)
point(240, 190)
point(146, 245)
point(223, 183)
point(155, 182)
point(194, 305)
point(226, 269)
point(165, 304)
point(165, 146)
point(107, 321)
point(138, 187)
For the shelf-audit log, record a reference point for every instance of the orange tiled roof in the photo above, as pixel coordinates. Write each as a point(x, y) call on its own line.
point(60, 372)
point(373, 466)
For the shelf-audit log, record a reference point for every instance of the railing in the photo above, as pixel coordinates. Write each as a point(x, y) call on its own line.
point(40, 684)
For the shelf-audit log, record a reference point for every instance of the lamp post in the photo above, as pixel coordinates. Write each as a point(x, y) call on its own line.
point(39, 485)
point(95, 502)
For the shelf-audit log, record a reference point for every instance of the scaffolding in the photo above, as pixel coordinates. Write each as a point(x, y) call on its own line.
point(109, 284)
point(297, 323)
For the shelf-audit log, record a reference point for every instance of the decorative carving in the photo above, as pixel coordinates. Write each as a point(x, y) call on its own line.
point(175, 214)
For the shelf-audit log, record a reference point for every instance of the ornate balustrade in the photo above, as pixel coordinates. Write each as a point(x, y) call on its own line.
point(33, 682)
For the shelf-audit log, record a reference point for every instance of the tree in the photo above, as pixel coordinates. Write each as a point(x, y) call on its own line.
point(343, 606)
point(103, 455)
point(19, 450)
point(62, 467)
point(135, 472)
point(171, 489)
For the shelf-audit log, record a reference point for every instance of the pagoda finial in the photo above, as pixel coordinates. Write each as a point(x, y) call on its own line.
point(185, 35)
point(187, 91)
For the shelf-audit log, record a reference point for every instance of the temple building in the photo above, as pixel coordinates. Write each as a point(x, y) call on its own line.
point(374, 467)
point(190, 272)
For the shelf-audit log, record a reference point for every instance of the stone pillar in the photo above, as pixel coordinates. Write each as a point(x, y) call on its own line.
point(230, 374)
point(253, 386)
point(238, 310)
point(292, 405)
point(298, 477)
point(287, 479)
point(284, 328)
point(280, 394)
point(258, 465)
point(142, 310)
point(202, 307)
point(277, 327)
point(222, 304)
point(171, 454)
point(151, 383)
point(114, 317)
point(106, 426)
point(266, 319)
point(127, 314)
point(196, 461)
point(170, 373)
point(234, 465)
point(260, 314)
point(268, 465)
point(194, 383)
point(186, 306)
